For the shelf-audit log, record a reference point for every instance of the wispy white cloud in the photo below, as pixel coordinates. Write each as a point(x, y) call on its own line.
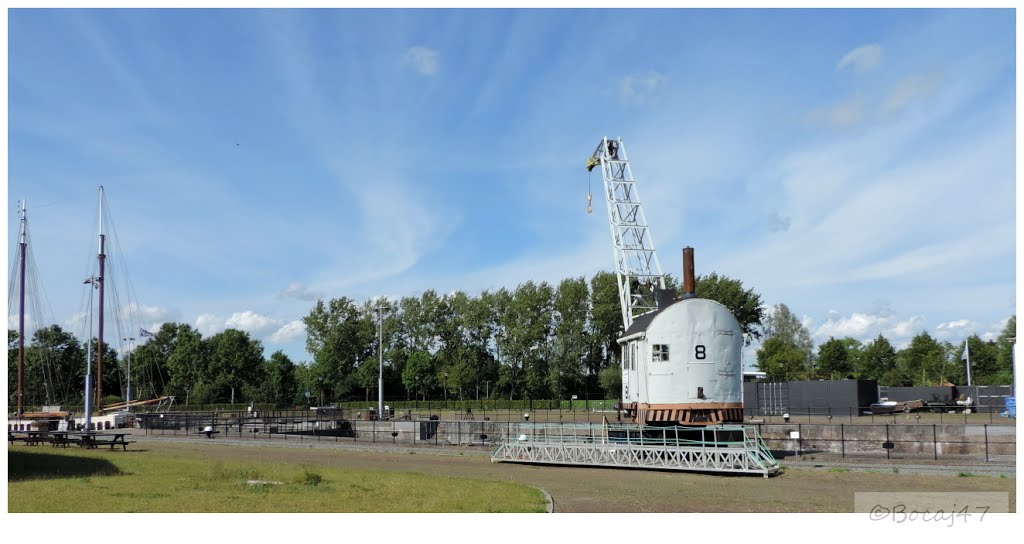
point(424, 60)
point(288, 332)
point(909, 90)
point(842, 115)
point(861, 59)
point(637, 88)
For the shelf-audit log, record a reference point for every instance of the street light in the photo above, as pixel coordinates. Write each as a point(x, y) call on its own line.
point(380, 350)
point(94, 283)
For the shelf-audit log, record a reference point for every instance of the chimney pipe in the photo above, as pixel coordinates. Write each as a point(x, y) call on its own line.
point(689, 282)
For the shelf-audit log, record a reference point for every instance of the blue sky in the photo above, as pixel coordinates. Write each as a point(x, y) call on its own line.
point(856, 165)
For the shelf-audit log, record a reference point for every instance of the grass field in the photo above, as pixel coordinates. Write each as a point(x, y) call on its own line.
point(153, 480)
point(201, 475)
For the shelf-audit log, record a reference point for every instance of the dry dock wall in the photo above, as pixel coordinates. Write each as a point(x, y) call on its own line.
point(910, 440)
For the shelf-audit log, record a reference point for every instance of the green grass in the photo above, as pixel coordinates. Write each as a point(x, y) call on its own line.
point(147, 481)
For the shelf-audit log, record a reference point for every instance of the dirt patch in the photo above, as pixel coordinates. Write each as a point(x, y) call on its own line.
point(614, 490)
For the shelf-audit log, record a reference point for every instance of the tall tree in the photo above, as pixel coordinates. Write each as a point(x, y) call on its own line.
point(879, 362)
point(528, 325)
point(611, 382)
point(570, 336)
point(235, 366)
point(923, 362)
point(606, 317)
point(419, 374)
point(1003, 373)
point(984, 358)
point(782, 324)
point(338, 335)
point(54, 368)
point(745, 304)
point(781, 360)
point(149, 363)
point(834, 360)
point(280, 385)
point(186, 366)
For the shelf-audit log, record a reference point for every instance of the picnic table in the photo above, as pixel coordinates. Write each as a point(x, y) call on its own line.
point(31, 438)
point(94, 439)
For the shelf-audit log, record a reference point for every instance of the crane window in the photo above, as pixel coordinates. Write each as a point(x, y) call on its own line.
point(659, 352)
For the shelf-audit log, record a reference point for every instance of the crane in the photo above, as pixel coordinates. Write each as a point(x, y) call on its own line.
point(636, 263)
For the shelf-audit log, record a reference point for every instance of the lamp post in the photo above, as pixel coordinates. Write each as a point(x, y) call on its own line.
point(94, 283)
point(380, 351)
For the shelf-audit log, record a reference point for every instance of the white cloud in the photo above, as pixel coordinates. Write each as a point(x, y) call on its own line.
point(862, 58)
point(865, 327)
point(299, 291)
point(958, 324)
point(636, 88)
point(423, 59)
point(148, 313)
point(956, 331)
point(288, 333)
point(209, 324)
point(251, 322)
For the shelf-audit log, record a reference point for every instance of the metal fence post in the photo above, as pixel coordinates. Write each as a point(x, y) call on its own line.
point(935, 441)
point(842, 439)
point(888, 451)
point(986, 443)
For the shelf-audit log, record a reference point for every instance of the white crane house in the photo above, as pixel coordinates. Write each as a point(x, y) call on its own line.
point(680, 358)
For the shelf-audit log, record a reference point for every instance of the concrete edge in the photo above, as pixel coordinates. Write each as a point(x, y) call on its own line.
point(549, 502)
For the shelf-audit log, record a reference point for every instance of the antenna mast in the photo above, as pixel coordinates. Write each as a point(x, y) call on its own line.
point(636, 264)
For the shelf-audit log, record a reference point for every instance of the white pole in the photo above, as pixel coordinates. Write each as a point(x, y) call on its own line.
point(380, 368)
point(967, 357)
point(128, 394)
point(88, 360)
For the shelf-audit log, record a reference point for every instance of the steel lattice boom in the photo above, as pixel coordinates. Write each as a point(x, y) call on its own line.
point(636, 263)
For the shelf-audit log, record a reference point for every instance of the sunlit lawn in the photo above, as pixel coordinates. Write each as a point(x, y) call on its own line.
point(43, 479)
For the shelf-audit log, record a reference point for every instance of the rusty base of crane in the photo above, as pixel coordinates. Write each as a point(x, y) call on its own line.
point(706, 413)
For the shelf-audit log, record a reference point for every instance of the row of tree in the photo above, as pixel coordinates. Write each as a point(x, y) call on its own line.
point(537, 341)
point(787, 354)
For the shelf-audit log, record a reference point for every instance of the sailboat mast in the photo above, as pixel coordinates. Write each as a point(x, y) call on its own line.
point(99, 345)
point(21, 309)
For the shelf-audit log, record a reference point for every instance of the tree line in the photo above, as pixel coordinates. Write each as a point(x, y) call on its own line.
point(537, 341)
point(787, 354)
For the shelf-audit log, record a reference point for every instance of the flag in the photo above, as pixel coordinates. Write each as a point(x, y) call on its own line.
point(144, 333)
point(967, 352)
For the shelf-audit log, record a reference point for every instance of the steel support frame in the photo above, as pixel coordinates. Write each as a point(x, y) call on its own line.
point(751, 456)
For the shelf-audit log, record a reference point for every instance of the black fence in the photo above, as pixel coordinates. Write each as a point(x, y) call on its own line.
point(863, 415)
